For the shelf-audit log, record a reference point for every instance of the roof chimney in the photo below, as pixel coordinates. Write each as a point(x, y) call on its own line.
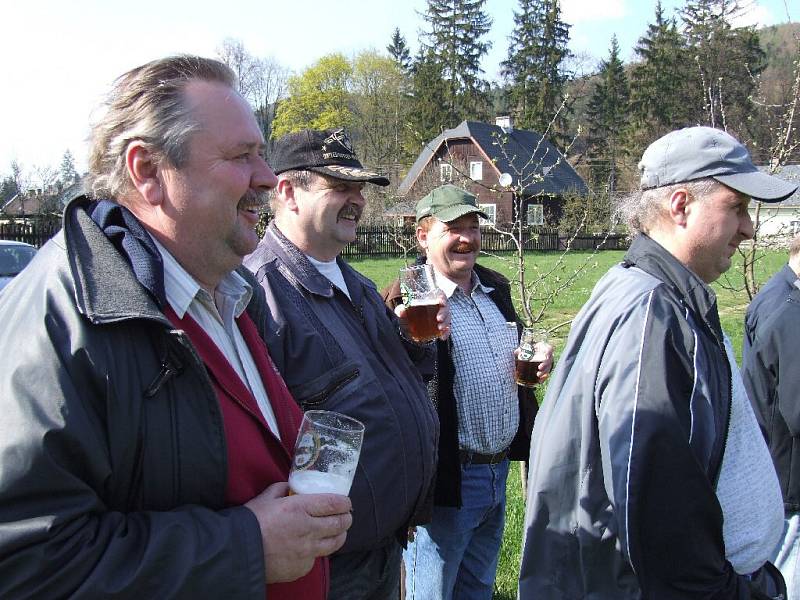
point(504, 123)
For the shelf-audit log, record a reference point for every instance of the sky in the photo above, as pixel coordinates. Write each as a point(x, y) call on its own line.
point(60, 58)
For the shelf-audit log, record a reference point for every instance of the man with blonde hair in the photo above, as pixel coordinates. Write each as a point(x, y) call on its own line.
point(771, 374)
point(648, 476)
point(146, 437)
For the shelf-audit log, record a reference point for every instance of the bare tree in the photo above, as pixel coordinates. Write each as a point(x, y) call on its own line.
point(782, 122)
point(262, 81)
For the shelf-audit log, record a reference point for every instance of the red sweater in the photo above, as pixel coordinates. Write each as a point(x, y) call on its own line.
point(256, 458)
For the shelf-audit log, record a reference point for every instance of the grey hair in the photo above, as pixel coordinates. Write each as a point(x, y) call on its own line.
point(298, 178)
point(148, 104)
point(642, 209)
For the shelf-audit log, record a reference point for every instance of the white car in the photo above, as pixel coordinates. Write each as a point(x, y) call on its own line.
point(14, 256)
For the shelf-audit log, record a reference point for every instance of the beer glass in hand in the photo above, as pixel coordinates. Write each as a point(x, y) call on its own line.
point(528, 359)
point(421, 300)
point(326, 453)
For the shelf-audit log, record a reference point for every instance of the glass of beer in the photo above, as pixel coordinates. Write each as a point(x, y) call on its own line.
point(528, 359)
point(326, 453)
point(421, 299)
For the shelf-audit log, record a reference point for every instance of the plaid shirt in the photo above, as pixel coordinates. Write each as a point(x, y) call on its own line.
point(483, 356)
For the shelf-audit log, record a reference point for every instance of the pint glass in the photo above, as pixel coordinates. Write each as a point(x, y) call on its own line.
point(527, 360)
point(326, 453)
point(421, 299)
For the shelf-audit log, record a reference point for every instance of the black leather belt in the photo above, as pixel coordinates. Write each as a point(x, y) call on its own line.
point(476, 458)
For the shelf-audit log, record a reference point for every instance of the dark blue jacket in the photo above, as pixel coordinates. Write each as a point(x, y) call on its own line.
point(347, 355)
point(771, 372)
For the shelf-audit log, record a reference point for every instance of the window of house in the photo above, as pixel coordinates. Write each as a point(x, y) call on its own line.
point(491, 212)
point(446, 172)
point(476, 170)
point(795, 227)
point(535, 214)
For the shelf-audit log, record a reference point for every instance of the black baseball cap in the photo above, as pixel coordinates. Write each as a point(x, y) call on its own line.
point(328, 152)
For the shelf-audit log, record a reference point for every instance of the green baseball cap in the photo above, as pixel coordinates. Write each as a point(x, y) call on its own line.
point(448, 203)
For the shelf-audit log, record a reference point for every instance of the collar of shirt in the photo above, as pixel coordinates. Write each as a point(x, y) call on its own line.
point(448, 286)
point(181, 288)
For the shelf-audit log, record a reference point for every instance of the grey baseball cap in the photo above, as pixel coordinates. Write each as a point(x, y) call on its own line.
point(698, 152)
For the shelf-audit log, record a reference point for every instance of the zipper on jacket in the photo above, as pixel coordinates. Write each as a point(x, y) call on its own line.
point(168, 370)
point(321, 396)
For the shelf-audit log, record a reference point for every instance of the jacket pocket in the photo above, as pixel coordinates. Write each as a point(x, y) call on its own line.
point(315, 393)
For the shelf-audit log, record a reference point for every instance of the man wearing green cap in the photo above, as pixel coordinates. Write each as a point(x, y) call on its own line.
point(485, 419)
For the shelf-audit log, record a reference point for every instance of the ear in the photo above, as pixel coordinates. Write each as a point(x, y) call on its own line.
point(680, 206)
point(143, 171)
point(422, 238)
point(284, 192)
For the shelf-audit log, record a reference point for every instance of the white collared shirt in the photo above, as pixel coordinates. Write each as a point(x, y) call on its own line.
point(216, 316)
point(483, 356)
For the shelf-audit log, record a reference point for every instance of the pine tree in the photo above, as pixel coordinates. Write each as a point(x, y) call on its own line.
point(534, 67)
point(656, 96)
point(608, 119)
point(430, 93)
point(726, 60)
point(399, 51)
point(67, 173)
point(658, 83)
point(455, 43)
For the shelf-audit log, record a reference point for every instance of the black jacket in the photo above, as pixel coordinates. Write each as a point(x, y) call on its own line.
point(114, 461)
point(771, 372)
point(628, 445)
point(347, 355)
point(440, 390)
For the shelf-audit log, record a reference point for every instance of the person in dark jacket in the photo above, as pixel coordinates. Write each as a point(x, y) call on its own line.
point(485, 418)
point(648, 476)
point(146, 437)
point(771, 374)
point(339, 348)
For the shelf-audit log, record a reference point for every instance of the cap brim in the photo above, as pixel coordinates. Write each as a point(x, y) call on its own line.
point(351, 174)
point(759, 185)
point(454, 212)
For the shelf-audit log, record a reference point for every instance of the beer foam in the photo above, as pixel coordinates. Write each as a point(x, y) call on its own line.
point(317, 482)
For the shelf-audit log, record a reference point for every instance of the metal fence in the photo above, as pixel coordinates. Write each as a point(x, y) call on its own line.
point(34, 231)
point(388, 241)
point(371, 240)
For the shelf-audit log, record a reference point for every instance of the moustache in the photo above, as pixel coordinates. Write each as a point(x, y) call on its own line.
point(350, 212)
point(253, 200)
point(465, 247)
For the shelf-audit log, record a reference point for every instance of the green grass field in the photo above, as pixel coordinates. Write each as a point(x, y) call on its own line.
point(732, 305)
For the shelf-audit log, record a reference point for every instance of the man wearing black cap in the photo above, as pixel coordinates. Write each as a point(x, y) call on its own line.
point(649, 477)
point(339, 348)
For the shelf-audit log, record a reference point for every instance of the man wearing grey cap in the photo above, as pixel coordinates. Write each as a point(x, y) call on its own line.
point(649, 477)
point(339, 348)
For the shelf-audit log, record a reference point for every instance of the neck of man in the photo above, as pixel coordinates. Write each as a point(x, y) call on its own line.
point(307, 244)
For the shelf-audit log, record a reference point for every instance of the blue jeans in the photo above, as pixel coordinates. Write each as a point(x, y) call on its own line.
point(455, 555)
point(787, 556)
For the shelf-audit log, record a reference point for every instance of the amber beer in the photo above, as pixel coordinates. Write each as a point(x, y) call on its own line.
point(421, 320)
point(421, 299)
point(525, 371)
point(527, 361)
